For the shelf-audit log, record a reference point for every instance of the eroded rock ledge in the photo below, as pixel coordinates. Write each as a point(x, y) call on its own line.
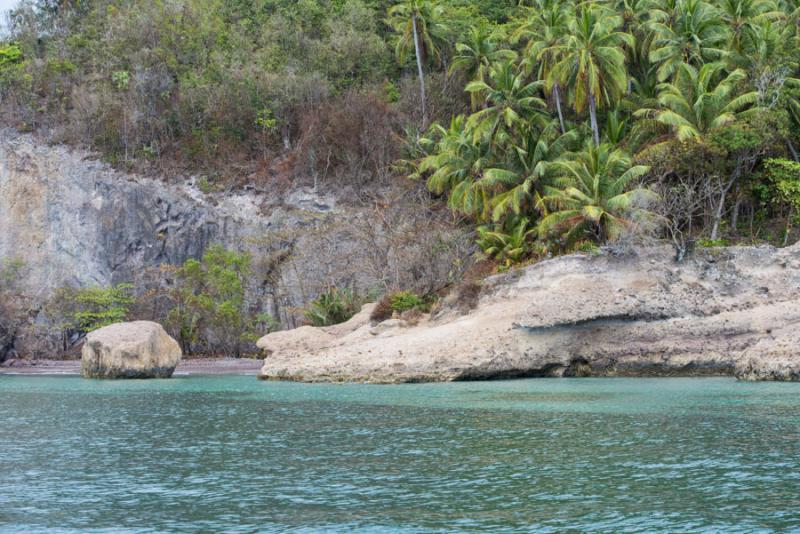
point(607, 315)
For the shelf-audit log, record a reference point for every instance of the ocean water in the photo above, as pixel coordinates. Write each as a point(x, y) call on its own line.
point(231, 454)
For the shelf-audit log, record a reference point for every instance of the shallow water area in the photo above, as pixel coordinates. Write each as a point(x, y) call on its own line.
point(214, 453)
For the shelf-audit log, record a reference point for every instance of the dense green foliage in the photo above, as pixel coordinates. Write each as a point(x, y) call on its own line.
point(202, 303)
point(95, 307)
point(593, 121)
point(210, 307)
point(551, 124)
point(12, 305)
point(784, 181)
point(10, 54)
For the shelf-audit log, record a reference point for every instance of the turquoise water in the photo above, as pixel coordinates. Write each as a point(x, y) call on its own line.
point(212, 454)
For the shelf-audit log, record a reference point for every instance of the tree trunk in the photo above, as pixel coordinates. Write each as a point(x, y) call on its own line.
point(788, 229)
point(593, 119)
point(791, 148)
point(737, 206)
point(721, 205)
point(287, 141)
point(557, 94)
point(418, 51)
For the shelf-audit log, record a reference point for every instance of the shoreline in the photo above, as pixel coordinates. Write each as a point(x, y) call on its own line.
point(191, 367)
point(724, 311)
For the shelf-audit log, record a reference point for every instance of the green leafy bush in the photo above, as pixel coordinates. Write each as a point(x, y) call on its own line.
point(588, 247)
point(96, 307)
point(406, 300)
point(784, 181)
point(332, 307)
point(784, 177)
point(210, 305)
point(9, 54)
point(711, 243)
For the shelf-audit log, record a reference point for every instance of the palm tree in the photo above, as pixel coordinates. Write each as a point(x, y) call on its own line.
point(742, 17)
point(509, 242)
point(592, 199)
point(634, 13)
point(454, 164)
point(767, 51)
point(510, 102)
point(519, 182)
point(592, 61)
point(418, 22)
point(543, 28)
point(697, 103)
point(688, 31)
point(475, 57)
point(643, 72)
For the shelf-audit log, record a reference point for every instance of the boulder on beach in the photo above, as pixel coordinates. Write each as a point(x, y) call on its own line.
point(140, 349)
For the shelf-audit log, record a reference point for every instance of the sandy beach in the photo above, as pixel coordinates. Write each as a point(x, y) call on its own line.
point(195, 366)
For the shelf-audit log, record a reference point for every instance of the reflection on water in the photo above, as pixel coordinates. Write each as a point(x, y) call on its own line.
point(230, 453)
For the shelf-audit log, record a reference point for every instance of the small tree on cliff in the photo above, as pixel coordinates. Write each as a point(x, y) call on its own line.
point(210, 304)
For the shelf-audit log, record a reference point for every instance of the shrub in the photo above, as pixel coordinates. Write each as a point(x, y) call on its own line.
point(406, 300)
point(87, 309)
point(210, 308)
point(13, 308)
point(9, 55)
point(784, 190)
point(710, 243)
point(587, 247)
point(400, 301)
point(332, 307)
point(508, 243)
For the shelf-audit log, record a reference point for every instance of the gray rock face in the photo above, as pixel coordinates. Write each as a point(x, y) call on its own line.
point(75, 221)
point(606, 315)
point(140, 349)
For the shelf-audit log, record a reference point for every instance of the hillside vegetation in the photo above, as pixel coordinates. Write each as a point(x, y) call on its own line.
point(552, 122)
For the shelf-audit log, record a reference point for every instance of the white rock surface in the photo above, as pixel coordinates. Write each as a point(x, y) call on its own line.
point(609, 315)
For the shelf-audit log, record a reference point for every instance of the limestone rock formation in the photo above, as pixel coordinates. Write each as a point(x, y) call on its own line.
point(140, 349)
point(308, 339)
point(628, 314)
point(775, 357)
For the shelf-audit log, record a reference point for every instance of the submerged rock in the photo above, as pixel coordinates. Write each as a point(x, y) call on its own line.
point(141, 349)
point(639, 314)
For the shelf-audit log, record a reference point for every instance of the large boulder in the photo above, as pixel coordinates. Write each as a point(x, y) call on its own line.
point(775, 357)
point(141, 349)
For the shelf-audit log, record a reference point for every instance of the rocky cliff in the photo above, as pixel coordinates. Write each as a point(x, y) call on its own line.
point(73, 220)
point(722, 311)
